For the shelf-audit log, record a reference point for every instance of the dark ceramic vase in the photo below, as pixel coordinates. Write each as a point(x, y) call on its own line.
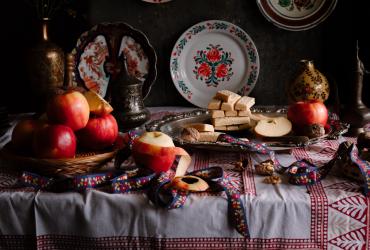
point(45, 65)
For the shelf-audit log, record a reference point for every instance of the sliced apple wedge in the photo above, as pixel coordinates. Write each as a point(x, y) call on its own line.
point(97, 104)
point(273, 127)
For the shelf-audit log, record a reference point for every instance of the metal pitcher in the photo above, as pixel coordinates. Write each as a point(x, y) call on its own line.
point(126, 98)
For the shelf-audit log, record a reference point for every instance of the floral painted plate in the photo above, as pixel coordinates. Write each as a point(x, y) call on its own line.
point(97, 52)
point(211, 56)
point(296, 15)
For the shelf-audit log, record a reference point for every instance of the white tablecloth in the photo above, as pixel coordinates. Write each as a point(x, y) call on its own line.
point(332, 214)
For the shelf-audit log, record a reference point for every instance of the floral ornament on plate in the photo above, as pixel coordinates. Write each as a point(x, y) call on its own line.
point(137, 61)
point(213, 65)
point(91, 66)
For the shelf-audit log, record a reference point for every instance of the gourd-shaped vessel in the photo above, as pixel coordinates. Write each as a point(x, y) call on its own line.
point(310, 84)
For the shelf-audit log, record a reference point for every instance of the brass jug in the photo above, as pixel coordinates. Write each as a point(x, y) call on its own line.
point(310, 84)
point(45, 66)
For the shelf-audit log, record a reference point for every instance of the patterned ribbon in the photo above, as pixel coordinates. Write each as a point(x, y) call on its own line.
point(60, 184)
point(260, 148)
point(300, 172)
point(163, 195)
point(36, 181)
point(160, 191)
point(364, 167)
point(303, 172)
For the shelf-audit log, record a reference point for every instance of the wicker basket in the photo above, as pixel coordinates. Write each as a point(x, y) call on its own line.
point(82, 163)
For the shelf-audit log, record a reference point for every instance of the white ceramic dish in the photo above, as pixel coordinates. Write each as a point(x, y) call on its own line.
point(296, 15)
point(211, 56)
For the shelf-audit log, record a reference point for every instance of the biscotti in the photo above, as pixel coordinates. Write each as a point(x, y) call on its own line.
point(217, 113)
point(201, 127)
point(214, 104)
point(233, 112)
point(208, 136)
point(244, 103)
point(225, 121)
point(230, 113)
point(226, 95)
point(249, 113)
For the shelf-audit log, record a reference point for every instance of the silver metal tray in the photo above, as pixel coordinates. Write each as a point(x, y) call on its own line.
point(174, 124)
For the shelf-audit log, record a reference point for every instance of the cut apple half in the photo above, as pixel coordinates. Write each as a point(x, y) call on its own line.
point(98, 106)
point(273, 127)
point(156, 150)
point(190, 183)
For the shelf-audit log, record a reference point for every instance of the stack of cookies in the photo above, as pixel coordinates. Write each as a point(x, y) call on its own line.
point(199, 132)
point(230, 111)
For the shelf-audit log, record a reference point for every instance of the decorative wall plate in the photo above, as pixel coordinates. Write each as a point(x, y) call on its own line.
point(97, 52)
point(210, 56)
point(296, 15)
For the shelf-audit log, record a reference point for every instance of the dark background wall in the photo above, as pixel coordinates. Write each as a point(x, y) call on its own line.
point(331, 44)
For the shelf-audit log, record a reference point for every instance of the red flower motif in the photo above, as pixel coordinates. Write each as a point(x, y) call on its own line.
point(204, 70)
point(213, 55)
point(221, 71)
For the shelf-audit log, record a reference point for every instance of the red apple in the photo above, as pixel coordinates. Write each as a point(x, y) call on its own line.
point(306, 113)
point(22, 135)
point(54, 141)
point(99, 133)
point(155, 150)
point(70, 108)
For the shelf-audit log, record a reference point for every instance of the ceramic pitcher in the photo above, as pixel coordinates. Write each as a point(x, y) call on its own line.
point(310, 84)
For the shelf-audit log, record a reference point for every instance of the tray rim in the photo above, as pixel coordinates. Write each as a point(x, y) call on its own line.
point(156, 125)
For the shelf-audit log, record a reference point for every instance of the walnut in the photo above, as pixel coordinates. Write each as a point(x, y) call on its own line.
point(240, 165)
point(314, 130)
point(190, 134)
point(273, 179)
point(265, 168)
